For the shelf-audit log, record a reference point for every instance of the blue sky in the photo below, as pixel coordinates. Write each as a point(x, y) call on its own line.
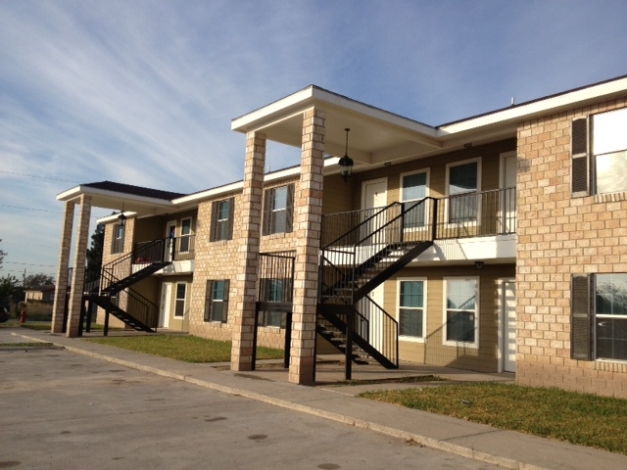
point(143, 92)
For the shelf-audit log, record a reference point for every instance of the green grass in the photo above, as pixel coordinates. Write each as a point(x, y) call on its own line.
point(582, 419)
point(183, 347)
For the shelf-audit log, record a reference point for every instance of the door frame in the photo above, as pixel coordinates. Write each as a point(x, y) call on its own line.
point(506, 218)
point(165, 306)
point(502, 339)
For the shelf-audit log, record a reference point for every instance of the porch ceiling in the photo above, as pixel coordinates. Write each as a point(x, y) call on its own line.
point(376, 136)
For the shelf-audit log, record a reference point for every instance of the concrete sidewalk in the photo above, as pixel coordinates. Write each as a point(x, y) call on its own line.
point(504, 448)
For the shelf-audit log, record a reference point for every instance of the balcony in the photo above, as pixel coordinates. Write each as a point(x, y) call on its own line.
point(472, 226)
point(180, 251)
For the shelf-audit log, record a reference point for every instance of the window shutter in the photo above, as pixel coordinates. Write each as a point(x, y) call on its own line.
point(267, 211)
point(214, 221)
point(231, 218)
point(580, 168)
point(208, 299)
point(225, 311)
point(580, 319)
point(289, 224)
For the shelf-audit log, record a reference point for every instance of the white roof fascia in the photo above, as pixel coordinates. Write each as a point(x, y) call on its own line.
point(209, 193)
point(114, 217)
point(79, 190)
point(544, 106)
point(311, 96)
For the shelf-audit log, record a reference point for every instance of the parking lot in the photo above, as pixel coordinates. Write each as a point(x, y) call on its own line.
point(66, 411)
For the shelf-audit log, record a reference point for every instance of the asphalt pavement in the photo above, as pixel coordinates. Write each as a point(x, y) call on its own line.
point(507, 449)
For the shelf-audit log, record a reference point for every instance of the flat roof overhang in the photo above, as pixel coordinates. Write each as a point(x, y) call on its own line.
point(118, 201)
point(378, 136)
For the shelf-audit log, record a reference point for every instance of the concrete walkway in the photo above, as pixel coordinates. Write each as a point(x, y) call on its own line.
point(505, 448)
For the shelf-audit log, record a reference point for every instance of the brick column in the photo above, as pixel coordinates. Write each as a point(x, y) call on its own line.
point(243, 316)
point(78, 273)
point(307, 222)
point(62, 271)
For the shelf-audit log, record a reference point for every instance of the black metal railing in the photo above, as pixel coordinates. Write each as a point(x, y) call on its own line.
point(370, 247)
point(276, 277)
point(383, 333)
point(144, 253)
point(486, 213)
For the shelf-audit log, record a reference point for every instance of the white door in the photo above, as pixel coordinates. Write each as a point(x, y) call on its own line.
point(170, 240)
point(507, 213)
point(374, 195)
point(508, 306)
point(164, 307)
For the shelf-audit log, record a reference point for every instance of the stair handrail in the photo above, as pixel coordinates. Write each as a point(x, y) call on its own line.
point(389, 331)
point(361, 224)
point(147, 252)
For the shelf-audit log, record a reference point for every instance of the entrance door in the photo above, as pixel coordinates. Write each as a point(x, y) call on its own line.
point(507, 213)
point(508, 314)
point(374, 195)
point(164, 307)
point(170, 241)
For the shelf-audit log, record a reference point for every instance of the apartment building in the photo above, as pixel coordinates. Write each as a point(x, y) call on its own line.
point(494, 243)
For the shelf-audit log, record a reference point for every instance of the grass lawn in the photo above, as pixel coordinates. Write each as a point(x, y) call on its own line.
point(183, 347)
point(582, 419)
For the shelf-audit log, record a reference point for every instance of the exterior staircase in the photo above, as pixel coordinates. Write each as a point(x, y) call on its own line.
point(374, 246)
point(117, 277)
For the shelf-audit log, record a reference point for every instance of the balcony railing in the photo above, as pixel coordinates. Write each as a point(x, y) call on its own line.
point(487, 213)
point(175, 249)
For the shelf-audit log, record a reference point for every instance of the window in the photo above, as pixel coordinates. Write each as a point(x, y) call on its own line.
point(411, 307)
point(461, 314)
point(278, 210)
point(222, 220)
point(186, 232)
point(609, 153)
point(117, 243)
point(274, 291)
point(609, 147)
point(179, 309)
point(599, 328)
point(414, 188)
point(462, 189)
point(217, 301)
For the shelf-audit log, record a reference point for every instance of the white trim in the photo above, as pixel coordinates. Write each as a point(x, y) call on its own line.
point(447, 194)
point(82, 189)
point(501, 321)
point(427, 192)
point(461, 344)
point(176, 299)
point(412, 339)
point(191, 232)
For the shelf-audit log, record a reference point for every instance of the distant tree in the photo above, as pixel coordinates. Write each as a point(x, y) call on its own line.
point(9, 287)
point(38, 280)
point(2, 255)
point(94, 254)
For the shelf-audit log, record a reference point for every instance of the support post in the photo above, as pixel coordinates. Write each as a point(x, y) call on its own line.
point(78, 273)
point(60, 297)
point(243, 322)
point(307, 227)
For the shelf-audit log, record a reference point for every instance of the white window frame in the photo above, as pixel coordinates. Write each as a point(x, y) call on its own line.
point(596, 316)
point(608, 151)
point(176, 299)
point(181, 236)
point(462, 344)
point(413, 339)
point(447, 195)
point(427, 171)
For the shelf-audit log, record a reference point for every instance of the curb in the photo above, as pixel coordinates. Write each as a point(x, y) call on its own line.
point(419, 439)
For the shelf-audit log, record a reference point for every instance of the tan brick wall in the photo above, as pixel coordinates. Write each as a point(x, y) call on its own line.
point(558, 236)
